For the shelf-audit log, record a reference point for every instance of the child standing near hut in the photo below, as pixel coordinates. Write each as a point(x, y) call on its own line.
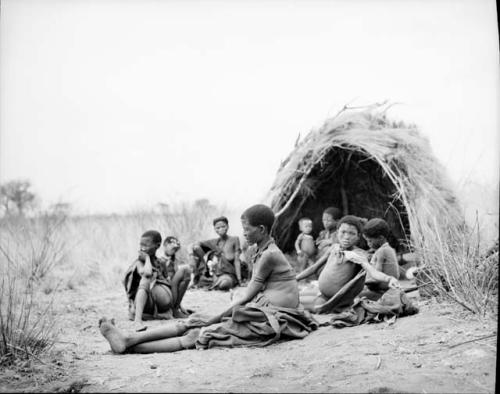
point(343, 265)
point(304, 244)
point(384, 259)
point(328, 236)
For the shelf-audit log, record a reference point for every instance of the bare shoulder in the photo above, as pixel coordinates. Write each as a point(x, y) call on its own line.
point(360, 251)
point(387, 251)
point(267, 254)
point(233, 239)
point(138, 263)
point(271, 254)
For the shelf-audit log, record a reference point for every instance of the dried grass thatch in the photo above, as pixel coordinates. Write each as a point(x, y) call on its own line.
point(369, 166)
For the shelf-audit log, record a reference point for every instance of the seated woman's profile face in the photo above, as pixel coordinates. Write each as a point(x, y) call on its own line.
point(252, 234)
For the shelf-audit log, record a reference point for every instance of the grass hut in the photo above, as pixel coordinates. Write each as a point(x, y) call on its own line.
point(369, 166)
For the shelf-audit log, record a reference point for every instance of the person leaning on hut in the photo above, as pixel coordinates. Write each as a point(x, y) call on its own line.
point(268, 311)
point(342, 276)
point(225, 250)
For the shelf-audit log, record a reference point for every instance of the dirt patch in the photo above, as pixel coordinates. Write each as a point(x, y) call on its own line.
point(421, 353)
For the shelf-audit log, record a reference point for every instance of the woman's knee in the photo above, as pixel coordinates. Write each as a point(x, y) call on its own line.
point(185, 272)
point(225, 284)
point(162, 298)
point(144, 284)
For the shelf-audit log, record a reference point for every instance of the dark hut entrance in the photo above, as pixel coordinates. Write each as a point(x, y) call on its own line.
point(351, 181)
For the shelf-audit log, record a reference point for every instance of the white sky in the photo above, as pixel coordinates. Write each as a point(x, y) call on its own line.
point(116, 104)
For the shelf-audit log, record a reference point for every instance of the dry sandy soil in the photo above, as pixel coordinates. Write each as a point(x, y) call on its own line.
point(423, 353)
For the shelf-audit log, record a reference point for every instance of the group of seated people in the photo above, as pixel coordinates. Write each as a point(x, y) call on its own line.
point(270, 307)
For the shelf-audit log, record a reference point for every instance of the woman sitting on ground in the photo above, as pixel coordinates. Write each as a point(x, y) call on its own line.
point(268, 311)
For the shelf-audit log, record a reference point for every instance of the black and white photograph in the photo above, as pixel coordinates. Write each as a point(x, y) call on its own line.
point(246, 196)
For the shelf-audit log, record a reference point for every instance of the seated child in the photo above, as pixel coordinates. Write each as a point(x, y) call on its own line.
point(227, 249)
point(328, 236)
point(177, 272)
point(149, 288)
point(342, 264)
point(304, 245)
point(383, 258)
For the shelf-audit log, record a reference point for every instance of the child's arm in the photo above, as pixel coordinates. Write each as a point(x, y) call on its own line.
point(313, 268)
point(297, 244)
point(237, 264)
point(375, 274)
point(144, 266)
point(390, 264)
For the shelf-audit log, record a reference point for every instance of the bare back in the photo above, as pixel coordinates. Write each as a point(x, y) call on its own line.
point(274, 271)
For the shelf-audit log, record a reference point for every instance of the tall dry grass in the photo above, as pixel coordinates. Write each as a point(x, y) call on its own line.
point(103, 246)
point(29, 250)
point(458, 266)
point(41, 255)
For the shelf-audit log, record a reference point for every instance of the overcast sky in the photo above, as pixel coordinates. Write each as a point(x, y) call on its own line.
point(112, 105)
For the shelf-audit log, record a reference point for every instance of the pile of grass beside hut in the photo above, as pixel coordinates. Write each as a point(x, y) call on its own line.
point(371, 166)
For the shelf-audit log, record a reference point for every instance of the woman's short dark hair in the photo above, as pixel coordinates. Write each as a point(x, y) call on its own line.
point(154, 235)
point(258, 215)
point(376, 227)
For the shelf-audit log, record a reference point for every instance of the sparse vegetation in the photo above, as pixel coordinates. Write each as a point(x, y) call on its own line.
point(51, 250)
point(29, 249)
point(458, 267)
point(16, 197)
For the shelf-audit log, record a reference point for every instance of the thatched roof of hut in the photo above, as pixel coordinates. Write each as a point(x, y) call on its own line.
point(367, 165)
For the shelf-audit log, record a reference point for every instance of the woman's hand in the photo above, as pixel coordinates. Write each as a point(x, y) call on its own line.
point(394, 283)
point(354, 257)
point(196, 321)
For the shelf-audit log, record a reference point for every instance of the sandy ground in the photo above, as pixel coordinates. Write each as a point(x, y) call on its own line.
point(423, 353)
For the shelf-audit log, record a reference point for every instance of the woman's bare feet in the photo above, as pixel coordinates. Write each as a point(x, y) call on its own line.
point(188, 340)
point(115, 337)
point(139, 326)
point(179, 314)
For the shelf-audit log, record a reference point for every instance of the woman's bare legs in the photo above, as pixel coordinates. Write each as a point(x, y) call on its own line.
point(165, 338)
point(187, 341)
point(310, 299)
